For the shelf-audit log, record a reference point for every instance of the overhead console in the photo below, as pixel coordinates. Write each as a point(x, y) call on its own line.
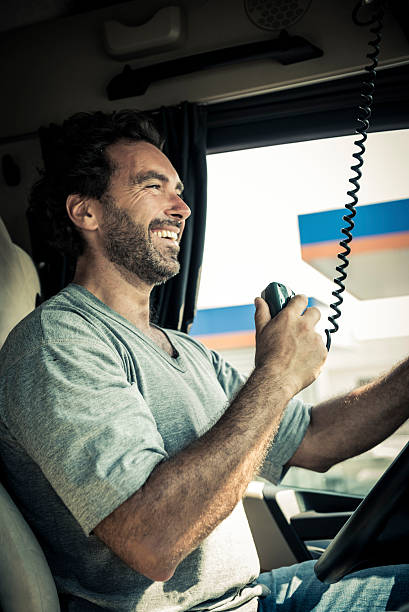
point(204, 51)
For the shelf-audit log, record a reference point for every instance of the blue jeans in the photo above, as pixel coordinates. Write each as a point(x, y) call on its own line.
point(297, 589)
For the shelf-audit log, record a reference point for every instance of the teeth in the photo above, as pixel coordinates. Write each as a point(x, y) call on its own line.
point(166, 234)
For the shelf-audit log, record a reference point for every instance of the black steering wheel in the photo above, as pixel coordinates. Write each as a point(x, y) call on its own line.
point(377, 533)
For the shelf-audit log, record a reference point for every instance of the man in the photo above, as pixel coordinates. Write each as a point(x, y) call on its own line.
point(129, 448)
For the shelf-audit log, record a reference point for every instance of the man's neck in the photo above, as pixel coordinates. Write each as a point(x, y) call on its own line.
point(127, 295)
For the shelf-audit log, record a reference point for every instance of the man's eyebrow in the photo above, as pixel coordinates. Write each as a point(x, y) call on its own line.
point(143, 177)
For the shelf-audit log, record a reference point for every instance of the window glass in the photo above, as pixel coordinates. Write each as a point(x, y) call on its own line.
point(260, 202)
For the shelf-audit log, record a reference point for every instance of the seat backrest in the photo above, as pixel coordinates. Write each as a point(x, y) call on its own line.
point(26, 583)
point(19, 283)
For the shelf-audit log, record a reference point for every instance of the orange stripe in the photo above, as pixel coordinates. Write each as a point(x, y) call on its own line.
point(226, 341)
point(383, 242)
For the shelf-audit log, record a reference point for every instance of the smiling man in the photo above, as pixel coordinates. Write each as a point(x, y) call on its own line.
point(151, 253)
point(129, 447)
point(132, 232)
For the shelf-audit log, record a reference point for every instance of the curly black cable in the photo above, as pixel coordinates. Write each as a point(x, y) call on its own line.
point(364, 114)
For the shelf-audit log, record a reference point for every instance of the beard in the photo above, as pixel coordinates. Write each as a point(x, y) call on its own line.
point(128, 245)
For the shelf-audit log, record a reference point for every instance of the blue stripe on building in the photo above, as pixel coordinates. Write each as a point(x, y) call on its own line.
point(226, 320)
point(373, 219)
point(223, 320)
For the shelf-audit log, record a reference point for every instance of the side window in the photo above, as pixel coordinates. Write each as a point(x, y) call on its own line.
point(275, 213)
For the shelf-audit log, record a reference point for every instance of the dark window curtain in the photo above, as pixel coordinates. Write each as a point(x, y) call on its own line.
point(173, 304)
point(184, 129)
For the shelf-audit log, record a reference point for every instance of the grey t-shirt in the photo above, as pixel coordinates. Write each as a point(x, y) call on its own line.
point(88, 407)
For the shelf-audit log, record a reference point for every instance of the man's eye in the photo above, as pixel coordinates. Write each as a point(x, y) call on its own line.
point(155, 186)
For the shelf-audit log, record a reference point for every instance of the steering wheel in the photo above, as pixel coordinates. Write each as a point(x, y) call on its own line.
point(377, 533)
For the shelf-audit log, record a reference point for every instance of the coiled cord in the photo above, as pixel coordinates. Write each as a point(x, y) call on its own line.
point(363, 117)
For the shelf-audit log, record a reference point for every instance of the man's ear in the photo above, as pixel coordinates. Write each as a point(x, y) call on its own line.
point(82, 211)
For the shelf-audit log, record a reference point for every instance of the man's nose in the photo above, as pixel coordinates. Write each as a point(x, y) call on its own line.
point(178, 208)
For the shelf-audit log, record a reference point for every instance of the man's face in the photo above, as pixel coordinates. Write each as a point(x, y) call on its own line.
point(143, 215)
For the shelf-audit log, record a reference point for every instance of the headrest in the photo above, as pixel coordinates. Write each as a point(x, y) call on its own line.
point(19, 284)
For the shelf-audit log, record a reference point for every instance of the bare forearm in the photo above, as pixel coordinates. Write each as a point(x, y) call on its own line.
point(186, 497)
point(349, 425)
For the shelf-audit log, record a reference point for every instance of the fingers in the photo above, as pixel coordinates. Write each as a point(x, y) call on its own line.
point(313, 315)
point(289, 341)
point(298, 304)
point(262, 314)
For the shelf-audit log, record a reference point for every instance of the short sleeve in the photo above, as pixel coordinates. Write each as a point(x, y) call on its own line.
point(229, 378)
point(293, 426)
point(71, 407)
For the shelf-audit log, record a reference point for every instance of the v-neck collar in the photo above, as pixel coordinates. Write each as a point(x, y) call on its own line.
point(177, 361)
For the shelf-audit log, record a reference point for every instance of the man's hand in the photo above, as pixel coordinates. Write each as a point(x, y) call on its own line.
point(289, 344)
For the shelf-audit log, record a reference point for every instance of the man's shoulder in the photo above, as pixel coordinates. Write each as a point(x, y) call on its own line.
point(66, 315)
point(58, 319)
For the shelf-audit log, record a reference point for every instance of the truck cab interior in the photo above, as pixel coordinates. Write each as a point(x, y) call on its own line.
point(222, 76)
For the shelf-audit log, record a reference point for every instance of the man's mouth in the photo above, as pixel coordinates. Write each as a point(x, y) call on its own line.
point(167, 235)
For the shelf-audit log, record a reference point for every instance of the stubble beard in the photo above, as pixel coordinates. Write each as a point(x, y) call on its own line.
point(129, 246)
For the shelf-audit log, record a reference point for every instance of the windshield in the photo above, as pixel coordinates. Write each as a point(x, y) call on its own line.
point(266, 207)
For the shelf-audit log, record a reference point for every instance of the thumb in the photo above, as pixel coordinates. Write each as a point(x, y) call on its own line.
point(262, 315)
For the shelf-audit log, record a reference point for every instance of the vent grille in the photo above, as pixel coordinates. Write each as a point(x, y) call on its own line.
point(275, 14)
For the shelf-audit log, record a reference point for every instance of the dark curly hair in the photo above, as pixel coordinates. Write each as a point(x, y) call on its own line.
point(76, 162)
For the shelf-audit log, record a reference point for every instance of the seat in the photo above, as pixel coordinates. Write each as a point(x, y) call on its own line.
point(26, 583)
point(19, 283)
